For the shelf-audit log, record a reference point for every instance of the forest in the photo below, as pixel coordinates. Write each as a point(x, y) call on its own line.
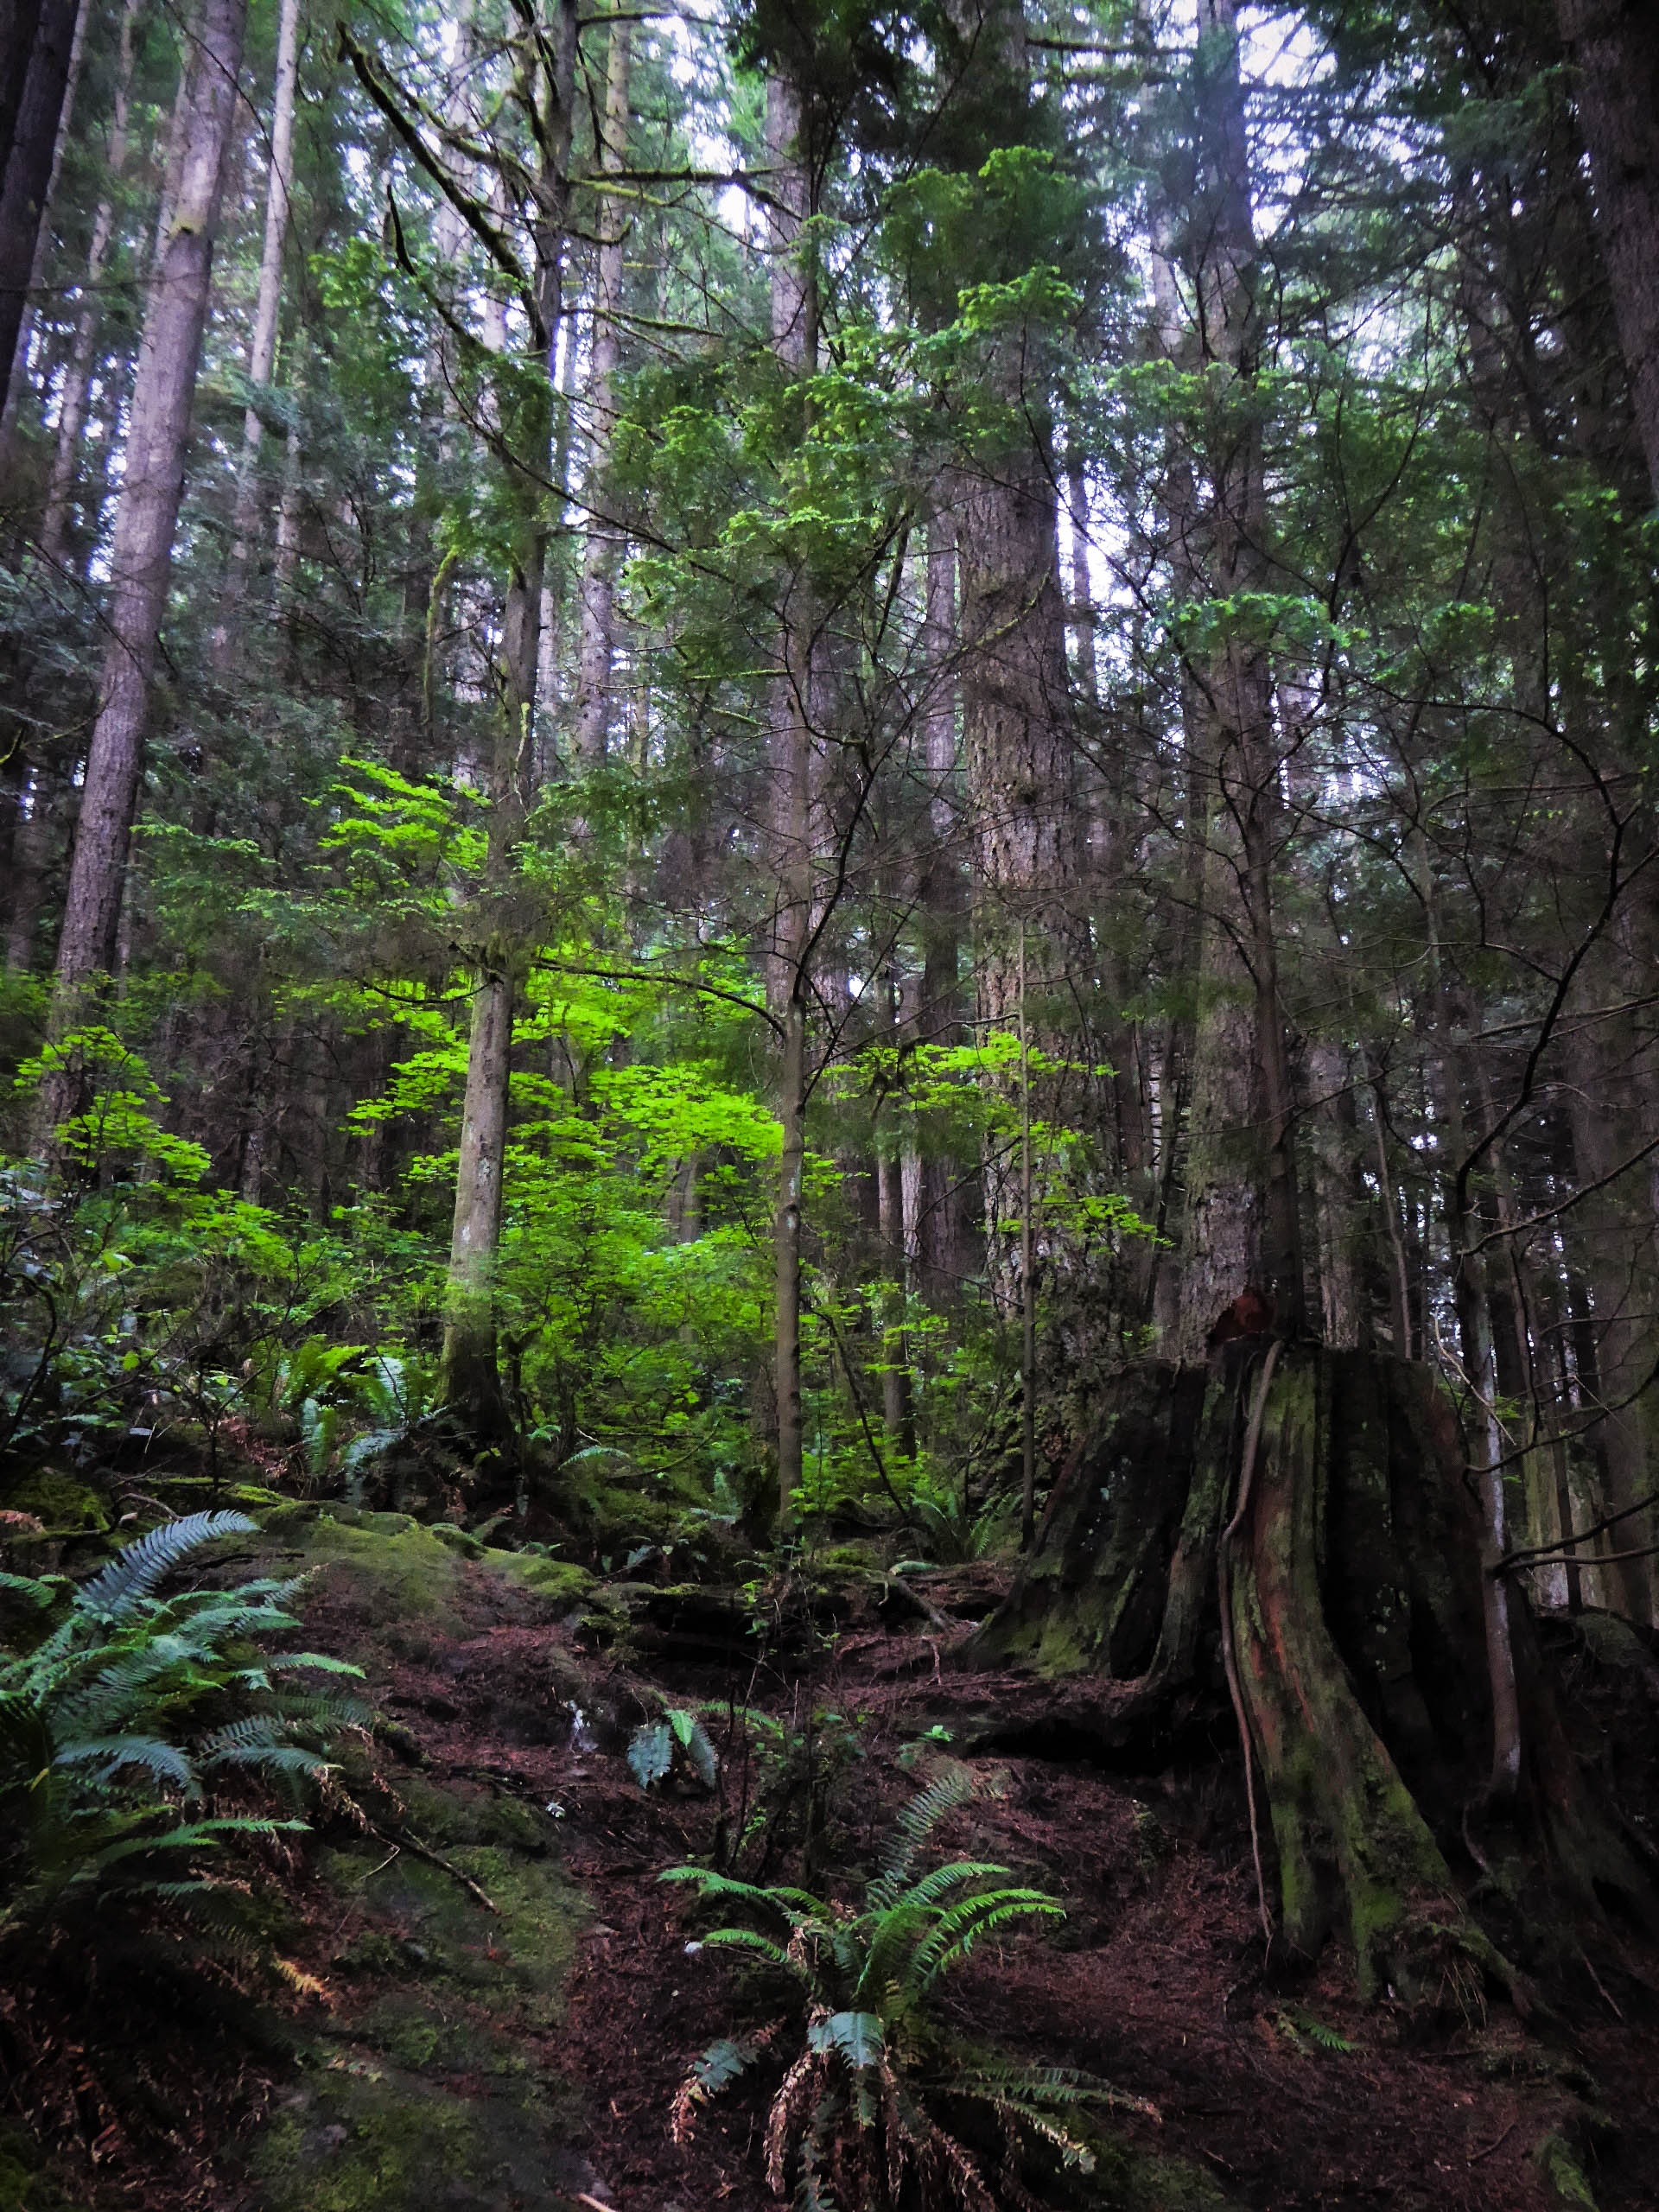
point(829, 1105)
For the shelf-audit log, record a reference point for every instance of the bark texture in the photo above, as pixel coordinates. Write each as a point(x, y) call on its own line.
point(33, 141)
point(147, 515)
point(262, 350)
point(794, 340)
point(1614, 46)
point(471, 1373)
point(77, 383)
point(603, 546)
point(1356, 1610)
point(1243, 1229)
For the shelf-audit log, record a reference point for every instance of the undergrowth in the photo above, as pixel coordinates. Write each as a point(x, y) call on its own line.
point(155, 1757)
point(878, 2097)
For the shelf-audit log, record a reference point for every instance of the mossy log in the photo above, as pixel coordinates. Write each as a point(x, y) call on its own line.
point(1353, 1581)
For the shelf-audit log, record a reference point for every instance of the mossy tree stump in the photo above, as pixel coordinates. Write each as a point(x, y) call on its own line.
point(1355, 1599)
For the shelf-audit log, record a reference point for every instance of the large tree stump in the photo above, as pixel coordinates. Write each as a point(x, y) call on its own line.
point(1355, 1600)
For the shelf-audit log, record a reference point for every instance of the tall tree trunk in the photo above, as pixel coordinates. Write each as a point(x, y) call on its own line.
point(146, 515)
point(600, 558)
point(1612, 1245)
point(262, 350)
point(28, 168)
point(72, 404)
point(37, 269)
point(1018, 749)
point(471, 1373)
point(1614, 45)
point(936, 1213)
point(1243, 1237)
point(794, 340)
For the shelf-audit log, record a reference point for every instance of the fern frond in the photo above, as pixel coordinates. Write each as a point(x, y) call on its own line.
point(918, 1821)
point(273, 1758)
point(34, 1590)
point(793, 1905)
point(939, 1884)
point(747, 1939)
point(135, 1571)
point(110, 1753)
point(960, 1929)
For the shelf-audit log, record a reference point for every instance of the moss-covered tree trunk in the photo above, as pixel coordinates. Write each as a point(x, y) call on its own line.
point(1353, 1585)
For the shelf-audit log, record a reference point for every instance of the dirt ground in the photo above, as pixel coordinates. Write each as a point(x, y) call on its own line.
point(1266, 2095)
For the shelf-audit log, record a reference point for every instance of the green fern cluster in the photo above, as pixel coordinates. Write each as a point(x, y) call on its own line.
point(855, 2119)
point(116, 1727)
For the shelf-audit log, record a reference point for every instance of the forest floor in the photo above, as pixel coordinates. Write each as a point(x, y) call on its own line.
point(504, 2002)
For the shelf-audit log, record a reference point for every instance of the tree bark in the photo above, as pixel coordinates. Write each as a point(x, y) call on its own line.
point(471, 1372)
point(1243, 1234)
point(936, 1211)
point(72, 405)
point(599, 557)
point(37, 268)
point(29, 167)
point(1614, 46)
point(146, 515)
point(1355, 1588)
point(793, 306)
point(262, 350)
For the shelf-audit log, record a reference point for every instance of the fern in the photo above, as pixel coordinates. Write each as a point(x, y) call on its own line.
point(110, 1727)
point(110, 1596)
point(861, 2101)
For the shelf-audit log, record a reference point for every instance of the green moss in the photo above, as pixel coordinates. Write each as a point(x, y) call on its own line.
point(1135, 2181)
point(65, 1506)
point(560, 1582)
point(399, 1574)
point(367, 2138)
point(458, 1539)
point(192, 1493)
point(426, 1927)
point(1553, 2157)
point(25, 2184)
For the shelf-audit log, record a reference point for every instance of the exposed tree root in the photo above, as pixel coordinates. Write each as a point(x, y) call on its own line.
point(1353, 1647)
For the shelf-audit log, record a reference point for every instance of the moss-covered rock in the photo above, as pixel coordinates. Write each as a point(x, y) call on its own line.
point(429, 2090)
point(560, 1582)
point(363, 2135)
point(60, 1503)
point(414, 1918)
point(398, 1575)
point(1563, 2175)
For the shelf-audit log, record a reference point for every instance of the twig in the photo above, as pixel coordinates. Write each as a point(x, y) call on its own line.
point(1600, 1990)
point(941, 1621)
point(1229, 1657)
point(444, 1866)
point(1476, 2157)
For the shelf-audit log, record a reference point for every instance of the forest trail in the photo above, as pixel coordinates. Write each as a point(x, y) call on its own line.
point(510, 2002)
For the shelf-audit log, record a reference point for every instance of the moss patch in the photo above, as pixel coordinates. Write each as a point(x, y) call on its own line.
point(1134, 2181)
point(365, 2137)
point(397, 1574)
point(431, 2089)
point(1554, 2157)
point(26, 2185)
point(62, 1505)
point(560, 1582)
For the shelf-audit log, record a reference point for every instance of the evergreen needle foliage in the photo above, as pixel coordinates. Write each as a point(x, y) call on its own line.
point(861, 2115)
point(116, 1729)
